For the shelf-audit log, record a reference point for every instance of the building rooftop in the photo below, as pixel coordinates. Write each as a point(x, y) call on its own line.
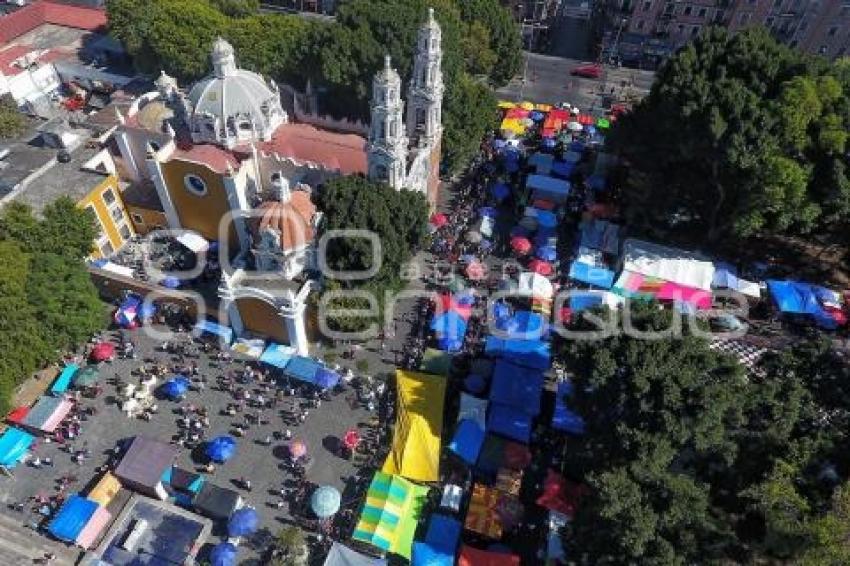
point(20, 22)
point(332, 150)
point(162, 533)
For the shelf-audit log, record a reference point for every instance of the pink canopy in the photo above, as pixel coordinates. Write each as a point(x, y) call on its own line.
point(520, 245)
point(675, 292)
point(94, 527)
point(58, 415)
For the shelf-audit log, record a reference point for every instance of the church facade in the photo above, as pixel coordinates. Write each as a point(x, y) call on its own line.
point(225, 161)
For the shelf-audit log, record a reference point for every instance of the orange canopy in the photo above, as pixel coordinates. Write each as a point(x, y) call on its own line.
point(473, 557)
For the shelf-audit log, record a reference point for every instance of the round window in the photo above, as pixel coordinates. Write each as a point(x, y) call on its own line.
point(154, 146)
point(195, 185)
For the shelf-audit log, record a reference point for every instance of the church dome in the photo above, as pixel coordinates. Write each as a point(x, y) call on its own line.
point(291, 219)
point(232, 105)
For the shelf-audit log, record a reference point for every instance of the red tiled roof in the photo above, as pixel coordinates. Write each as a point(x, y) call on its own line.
point(13, 52)
point(303, 142)
point(292, 219)
point(210, 155)
point(30, 17)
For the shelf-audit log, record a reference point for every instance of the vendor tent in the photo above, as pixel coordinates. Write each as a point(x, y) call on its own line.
point(518, 387)
point(529, 353)
point(63, 382)
point(277, 355)
point(473, 409)
point(450, 328)
point(563, 418)
point(548, 187)
point(482, 517)
point(217, 503)
point(600, 235)
point(535, 285)
point(47, 413)
point(684, 268)
point(523, 325)
point(473, 557)
point(391, 514)
point(310, 371)
point(510, 422)
point(17, 415)
point(467, 441)
point(498, 452)
point(86, 377)
point(440, 543)
point(794, 297)
point(105, 489)
point(93, 528)
point(14, 445)
point(561, 495)
point(725, 278)
point(591, 274)
point(542, 162)
point(341, 555)
point(224, 333)
point(72, 518)
point(144, 463)
point(415, 450)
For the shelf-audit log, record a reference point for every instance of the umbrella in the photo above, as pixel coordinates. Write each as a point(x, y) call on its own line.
point(475, 383)
point(456, 285)
point(542, 267)
point(102, 352)
point(590, 130)
point(221, 448)
point(520, 245)
point(549, 143)
point(467, 258)
point(585, 120)
point(126, 317)
point(439, 220)
point(351, 438)
point(603, 123)
point(476, 271)
point(473, 237)
point(297, 449)
point(326, 378)
point(243, 522)
point(574, 126)
point(175, 387)
point(325, 501)
point(546, 253)
point(488, 211)
point(465, 297)
point(223, 554)
point(486, 245)
point(546, 219)
point(500, 191)
point(537, 116)
point(170, 282)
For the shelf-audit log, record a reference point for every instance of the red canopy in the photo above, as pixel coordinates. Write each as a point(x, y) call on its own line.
point(542, 267)
point(351, 439)
point(439, 220)
point(560, 494)
point(515, 113)
point(473, 557)
point(445, 303)
point(18, 414)
point(586, 120)
point(102, 352)
point(520, 245)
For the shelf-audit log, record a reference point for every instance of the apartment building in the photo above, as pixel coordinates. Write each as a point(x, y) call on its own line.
point(815, 26)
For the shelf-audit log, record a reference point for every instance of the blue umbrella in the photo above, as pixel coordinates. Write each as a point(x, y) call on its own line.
point(549, 143)
point(467, 258)
point(488, 211)
point(223, 554)
point(170, 282)
point(546, 219)
point(547, 253)
point(465, 297)
point(326, 378)
point(221, 448)
point(500, 191)
point(449, 324)
point(325, 501)
point(501, 310)
point(590, 130)
point(537, 116)
point(176, 387)
point(243, 522)
point(475, 383)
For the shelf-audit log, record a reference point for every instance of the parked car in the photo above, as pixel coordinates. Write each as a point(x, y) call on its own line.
point(592, 71)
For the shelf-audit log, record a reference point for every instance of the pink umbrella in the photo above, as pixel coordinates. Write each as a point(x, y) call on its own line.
point(102, 352)
point(297, 449)
point(439, 220)
point(476, 271)
point(542, 267)
point(351, 439)
point(520, 245)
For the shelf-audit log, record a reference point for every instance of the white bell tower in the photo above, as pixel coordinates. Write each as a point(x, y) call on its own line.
point(387, 147)
point(425, 98)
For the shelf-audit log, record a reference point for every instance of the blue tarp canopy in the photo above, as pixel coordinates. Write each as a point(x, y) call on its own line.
point(440, 543)
point(546, 253)
point(530, 353)
point(581, 302)
point(310, 371)
point(500, 191)
point(72, 518)
point(563, 168)
point(591, 274)
point(223, 332)
point(14, 444)
point(549, 187)
point(563, 418)
point(277, 355)
point(224, 554)
point(243, 522)
point(175, 387)
point(450, 328)
point(793, 297)
point(509, 422)
point(600, 235)
point(517, 386)
point(524, 325)
point(467, 440)
point(64, 380)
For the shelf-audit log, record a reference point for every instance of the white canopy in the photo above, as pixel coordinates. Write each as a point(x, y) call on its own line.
point(670, 264)
point(194, 242)
point(117, 269)
point(536, 285)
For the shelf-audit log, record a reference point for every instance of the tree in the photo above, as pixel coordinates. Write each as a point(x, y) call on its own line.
point(469, 114)
point(504, 37)
point(739, 136)
point(237, 8)
point(12, 122)
point(293, 544)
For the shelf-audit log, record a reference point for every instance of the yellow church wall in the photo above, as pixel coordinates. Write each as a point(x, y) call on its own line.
point(262, 318)
point(104, 207)
point(201, 213)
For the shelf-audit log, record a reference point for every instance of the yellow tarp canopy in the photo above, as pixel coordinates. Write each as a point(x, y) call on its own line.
point(514, 125)
point(415, 452)
point(105, 490)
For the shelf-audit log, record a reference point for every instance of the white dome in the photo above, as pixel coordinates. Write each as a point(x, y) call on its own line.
point(233, 105)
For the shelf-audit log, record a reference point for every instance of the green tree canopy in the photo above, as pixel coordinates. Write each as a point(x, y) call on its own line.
point(739, 136)
point(12, 122)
